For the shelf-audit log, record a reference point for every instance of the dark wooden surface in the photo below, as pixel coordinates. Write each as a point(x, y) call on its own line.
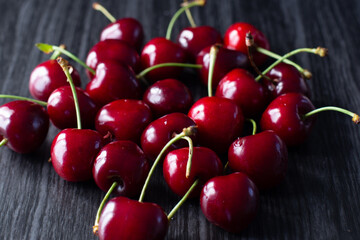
point(319, 198)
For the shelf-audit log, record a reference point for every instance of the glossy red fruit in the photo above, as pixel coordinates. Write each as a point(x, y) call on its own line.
point(174, 169)
point(195, 39)
point(263, 157)
point(73, 152)
point(158, 133)
point(168, 96)
point(128, 30)
point(24, 124)
point(122, 162)
point(226, 60)
point(48, 76)
point(113, 81)
point(61, 108)
point(230, 201)
point(284, 116)
point(160, 50)
point(112, 49)
point(240, 86)
point(123, 218)
point(219, 120)
point(125, 119)
point(235, 37)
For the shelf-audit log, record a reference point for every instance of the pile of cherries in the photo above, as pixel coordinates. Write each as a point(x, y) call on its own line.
point(117, 130)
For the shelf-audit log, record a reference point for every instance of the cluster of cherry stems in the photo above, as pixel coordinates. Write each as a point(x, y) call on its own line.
point(277, 98)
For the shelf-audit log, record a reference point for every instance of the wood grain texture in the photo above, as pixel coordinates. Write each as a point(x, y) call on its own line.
point(319, 198)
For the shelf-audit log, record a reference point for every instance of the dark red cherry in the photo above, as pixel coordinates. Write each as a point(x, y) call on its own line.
point(112, 49)
point(263, 157)
point(48, 76)
point(219, 120)
point(168, 96)
point(195, 39)
point(160, 50)
point(230, 201)
point(226, 60)
point(123, 218)
point(125, 119)
point(240, 86)
point(158, 133)
point(24, 124)
point(285, 116)
point(73, 152)
point(113, 81)
point(122, 162)
point(174, 169)
point(128, 30)
point(61, 108)
point(235, 37)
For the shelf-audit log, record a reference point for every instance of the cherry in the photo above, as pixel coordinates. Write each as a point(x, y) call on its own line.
point(168, 96)
point(23, 125)
point(230, 201)
point(125, 119)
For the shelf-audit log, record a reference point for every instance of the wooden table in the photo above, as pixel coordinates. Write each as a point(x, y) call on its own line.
point(319, 198)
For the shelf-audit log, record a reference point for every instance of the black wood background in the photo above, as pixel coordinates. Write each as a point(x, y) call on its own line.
point(319, 198)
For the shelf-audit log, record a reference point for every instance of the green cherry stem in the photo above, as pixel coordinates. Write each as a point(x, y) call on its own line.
point(355, 117)
point(42, 103)
point(182, 200)
point(57, 53)
point(252, 121)
point(47, 48)
point(65, 66)
point(213, 52)
point(149, 69)
point(189, 16)
point(3, 142)
point(102, 204)
point(103, 10)
point(191, 150)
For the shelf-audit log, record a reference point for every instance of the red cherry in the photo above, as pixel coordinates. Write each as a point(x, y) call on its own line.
point(235, 37)
point(125, 119)
point(73, 152)
point(230, 201)
point(24, 124)
point(241, 87)
point(284, 116)
point(263, 157)
point(174, 169)
point(48, 76)
point(168, 96)
point(123, 218)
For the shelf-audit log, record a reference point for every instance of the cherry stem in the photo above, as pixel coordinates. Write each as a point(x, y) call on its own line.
point(226, 166)
point(182, 200)
point(102, 204)
point(252, 121)
point(189, 16)
point(250, 44)
point(185, 5)
point(3, 142)
point(322, 52)
point(65, 66)
point(57, 53)
point(103, 10)
point(149, 69)
point(186, 132)
point(355, 117)
point(42, 103)
point(47, 48)
point(213, 53)
point(191, 151)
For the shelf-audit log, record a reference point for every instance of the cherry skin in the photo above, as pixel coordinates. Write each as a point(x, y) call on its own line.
point(24, 124)
point(48, 76)
point(230, 201)
point(125, 119)
point(174, 169)
point(123, 218)
point(195, 39)
point(284, 116)
point(160, 50)
point(263, 157)
point(73, 152)
point(122, 162)
point(219, 122)
point(160, 131)
point(235, 37)
point(226, 60)
point(128, 30)
point(61, 108)
point(240, 86)
point(168, 96)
